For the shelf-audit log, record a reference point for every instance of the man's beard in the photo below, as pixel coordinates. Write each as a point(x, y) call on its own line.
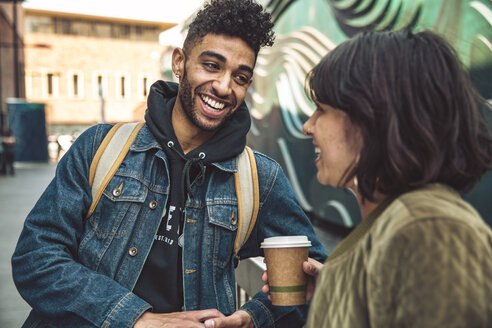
point(188, 104)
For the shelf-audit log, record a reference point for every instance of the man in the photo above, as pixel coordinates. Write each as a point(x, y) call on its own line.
point(7, 151)
point(158, 249)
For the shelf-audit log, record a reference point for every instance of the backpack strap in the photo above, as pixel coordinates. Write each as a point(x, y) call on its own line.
point(248, 196)
point(108, 158)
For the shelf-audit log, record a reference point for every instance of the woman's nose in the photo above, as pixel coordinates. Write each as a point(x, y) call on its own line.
point(306, 128)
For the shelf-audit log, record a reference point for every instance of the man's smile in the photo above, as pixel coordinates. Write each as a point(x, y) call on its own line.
point(214, 107)
point(212, 104)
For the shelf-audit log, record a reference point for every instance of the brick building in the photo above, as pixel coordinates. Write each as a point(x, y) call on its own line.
point(87, 69)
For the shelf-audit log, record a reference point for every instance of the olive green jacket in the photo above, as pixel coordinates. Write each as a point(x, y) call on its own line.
point(421, 260)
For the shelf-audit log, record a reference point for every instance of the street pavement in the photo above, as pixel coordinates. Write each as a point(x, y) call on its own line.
point(18, 194)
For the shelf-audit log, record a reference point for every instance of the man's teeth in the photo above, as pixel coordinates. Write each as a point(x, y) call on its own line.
point(212, 103)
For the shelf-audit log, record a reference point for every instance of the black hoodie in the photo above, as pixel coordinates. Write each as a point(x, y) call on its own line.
point(160, 282)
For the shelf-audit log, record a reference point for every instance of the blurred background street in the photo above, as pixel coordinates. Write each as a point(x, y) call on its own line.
point(18, 194)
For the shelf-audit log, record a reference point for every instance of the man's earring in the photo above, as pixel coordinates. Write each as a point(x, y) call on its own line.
point(177, 75)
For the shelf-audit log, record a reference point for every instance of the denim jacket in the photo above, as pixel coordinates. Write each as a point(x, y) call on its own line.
point(78, 272)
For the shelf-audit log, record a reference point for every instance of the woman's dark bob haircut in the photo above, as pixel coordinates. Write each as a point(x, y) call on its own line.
point(414, 104)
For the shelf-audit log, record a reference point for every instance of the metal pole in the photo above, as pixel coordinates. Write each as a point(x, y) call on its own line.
point(101, 97)
point(1, 94)
point(16, 52)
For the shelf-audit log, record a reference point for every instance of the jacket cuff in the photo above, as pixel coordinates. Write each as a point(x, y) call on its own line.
point(259, 313)
point(126, 312)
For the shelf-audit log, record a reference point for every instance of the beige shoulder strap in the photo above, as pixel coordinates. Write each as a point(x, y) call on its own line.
point(108, 158)
point(248, 196)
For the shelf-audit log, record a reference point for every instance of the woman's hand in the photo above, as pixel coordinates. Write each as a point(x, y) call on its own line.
point(311, 267)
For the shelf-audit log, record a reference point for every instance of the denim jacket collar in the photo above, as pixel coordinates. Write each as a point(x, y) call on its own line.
point(145, 141)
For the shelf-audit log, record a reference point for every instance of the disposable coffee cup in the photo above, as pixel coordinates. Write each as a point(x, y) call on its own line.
point(284, 256)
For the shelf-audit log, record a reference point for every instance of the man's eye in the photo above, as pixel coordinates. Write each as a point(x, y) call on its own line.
point(242, 79)
point(211, 65)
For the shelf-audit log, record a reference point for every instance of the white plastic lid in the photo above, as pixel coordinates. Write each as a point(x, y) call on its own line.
point(286, 241)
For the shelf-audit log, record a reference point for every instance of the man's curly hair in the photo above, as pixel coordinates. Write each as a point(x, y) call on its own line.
point(244, 19)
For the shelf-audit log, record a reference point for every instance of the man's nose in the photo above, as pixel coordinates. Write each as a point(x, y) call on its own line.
point(222, 85)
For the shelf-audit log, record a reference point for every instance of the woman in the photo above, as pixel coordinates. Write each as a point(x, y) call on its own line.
point(398, 122)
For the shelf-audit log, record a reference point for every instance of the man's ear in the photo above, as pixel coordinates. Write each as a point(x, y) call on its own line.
point(178, 61)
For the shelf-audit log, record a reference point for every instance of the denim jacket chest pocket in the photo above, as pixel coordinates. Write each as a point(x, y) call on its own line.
point(114, 218)
point(118, 207)
point(221, 230)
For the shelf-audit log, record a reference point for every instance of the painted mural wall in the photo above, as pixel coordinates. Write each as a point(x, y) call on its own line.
point(306, 31)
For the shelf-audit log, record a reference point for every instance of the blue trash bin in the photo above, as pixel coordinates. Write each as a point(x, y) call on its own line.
point(27, 122)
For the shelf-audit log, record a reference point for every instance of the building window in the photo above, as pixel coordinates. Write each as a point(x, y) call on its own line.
point(126, 30)
point(144, 89)
point(50, 85)
point(99, 85)
point(66, 26)
point(62, 25)
point(143, 86)
point(49, 77)
point(76, 84)
point(122, 86)
point(41, 24)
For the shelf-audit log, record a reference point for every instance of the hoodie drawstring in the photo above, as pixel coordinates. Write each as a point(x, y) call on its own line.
point(189, 164)
point(185, 177)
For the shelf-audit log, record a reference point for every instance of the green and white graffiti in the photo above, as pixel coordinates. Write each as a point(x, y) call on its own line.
point(306, 31)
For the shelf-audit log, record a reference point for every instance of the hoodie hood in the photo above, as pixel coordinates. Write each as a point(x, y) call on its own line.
point(228, 142)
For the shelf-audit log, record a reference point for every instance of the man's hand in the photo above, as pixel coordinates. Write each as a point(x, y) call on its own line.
point(239, 319)
point(311, 267)
point(189, 319)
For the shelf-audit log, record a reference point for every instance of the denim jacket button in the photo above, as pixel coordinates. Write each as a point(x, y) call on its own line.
point(153, 205)
point(132, 251)
point(116, 192)
point(233, 221)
